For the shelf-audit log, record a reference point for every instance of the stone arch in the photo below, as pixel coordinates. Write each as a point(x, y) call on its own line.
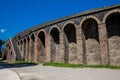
point(110, 12)
point(54, 43)
point(70, 46)
point(18, 43)
point(11, 56)
point(55, 33)
point(28, 38)
point(41, 47)
point(70, 32)
point(18, 37)
point(112, 22)
point(69, 22)
point(91, 46)
point(21, 41)
point(42, 36)
point(90, 17)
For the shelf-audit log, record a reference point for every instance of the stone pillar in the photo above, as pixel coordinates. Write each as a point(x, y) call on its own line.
point(36, 49)
point(47, 41)
point(58, 48)
point(52, 49)
point(22, 51)
point(103, 44)
point(62, 51)
point(29, 55)
point(26, 51)
point(79, 46)
point(32, 50)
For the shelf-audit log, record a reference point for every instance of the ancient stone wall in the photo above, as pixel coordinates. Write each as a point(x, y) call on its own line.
point(91, 37)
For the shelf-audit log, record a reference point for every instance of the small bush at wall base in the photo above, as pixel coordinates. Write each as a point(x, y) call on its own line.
point(80, 65)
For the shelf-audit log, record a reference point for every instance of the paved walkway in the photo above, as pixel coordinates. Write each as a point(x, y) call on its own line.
point(39, 72)
point(6, 74)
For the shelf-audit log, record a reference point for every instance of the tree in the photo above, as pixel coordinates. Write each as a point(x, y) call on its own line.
point(1, 43)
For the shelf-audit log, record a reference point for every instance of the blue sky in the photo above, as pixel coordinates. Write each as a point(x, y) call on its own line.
point(18, 15)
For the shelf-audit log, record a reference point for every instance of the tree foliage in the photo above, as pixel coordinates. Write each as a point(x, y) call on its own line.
point(2, 42)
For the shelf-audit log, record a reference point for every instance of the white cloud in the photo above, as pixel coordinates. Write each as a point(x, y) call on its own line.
point(2, 30)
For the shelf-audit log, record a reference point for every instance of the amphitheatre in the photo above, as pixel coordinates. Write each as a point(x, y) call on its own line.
point(91, 37)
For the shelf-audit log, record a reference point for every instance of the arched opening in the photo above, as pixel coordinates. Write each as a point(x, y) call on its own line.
point(9, 47)
point(91, 41)
point(11, 56)
point(32, 47)
point(41, 47)
point(70, 52)
point(55, 35)
point(18, 43)
point(113, 30)
point(18, 37)
point(55, 47)
point(42, 38)
point(70, 33)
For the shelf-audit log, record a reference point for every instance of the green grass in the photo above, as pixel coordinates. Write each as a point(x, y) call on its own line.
point(25, 62)
point(80, 65)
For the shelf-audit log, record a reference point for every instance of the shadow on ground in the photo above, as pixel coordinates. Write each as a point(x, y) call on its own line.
point(13, 65)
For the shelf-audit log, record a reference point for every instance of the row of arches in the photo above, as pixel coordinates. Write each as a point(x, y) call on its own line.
point(27, 47)
point(64, 43)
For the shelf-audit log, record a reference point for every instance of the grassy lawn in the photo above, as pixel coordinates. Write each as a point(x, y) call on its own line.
point(80, 65)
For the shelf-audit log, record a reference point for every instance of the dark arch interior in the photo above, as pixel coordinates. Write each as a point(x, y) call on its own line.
point(113, 25)
point(70, 32)
point(28, 39)
point(42, 37)
point(90, 29)
point(24, 40)
point(9, 47)
point(18, 43)
point(18, 37)
point(11, 53)
point(21, 42)
point(55, 35)
point(33, 38)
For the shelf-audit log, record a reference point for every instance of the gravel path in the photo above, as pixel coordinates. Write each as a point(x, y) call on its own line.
point(40, 72)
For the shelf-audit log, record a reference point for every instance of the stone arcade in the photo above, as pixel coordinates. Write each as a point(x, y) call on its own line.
point(91, 37)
